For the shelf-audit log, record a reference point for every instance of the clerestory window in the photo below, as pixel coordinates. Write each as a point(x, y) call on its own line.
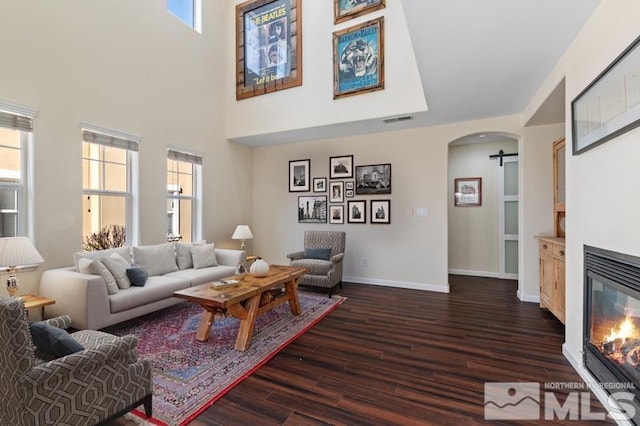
point(188, 11)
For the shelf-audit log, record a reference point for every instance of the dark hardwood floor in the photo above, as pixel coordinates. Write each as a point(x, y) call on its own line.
point(405, 357)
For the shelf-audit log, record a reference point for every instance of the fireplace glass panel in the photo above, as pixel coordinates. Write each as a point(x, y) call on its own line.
point(615, 326)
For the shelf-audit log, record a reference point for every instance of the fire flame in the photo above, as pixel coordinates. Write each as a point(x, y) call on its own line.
point(625, 331)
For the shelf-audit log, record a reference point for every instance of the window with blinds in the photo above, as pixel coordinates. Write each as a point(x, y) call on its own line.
point(15, 133)
point(107, 181)
point(183, 196)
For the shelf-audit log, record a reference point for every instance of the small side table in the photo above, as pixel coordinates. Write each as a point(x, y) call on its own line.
point(33, 301)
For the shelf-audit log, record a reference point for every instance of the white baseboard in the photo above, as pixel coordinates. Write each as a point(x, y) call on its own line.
point(400, 284)
point(470, 273)
point(524, 297)
point(599, 392)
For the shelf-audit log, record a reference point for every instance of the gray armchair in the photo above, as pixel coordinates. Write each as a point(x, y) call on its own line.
point(101, 382)
point(323, 273)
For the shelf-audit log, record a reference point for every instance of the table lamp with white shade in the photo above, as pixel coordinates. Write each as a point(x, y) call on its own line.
point(242, 233)
point(17, 253)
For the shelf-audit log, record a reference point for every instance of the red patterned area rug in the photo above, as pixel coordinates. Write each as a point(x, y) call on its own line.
point(188, 375)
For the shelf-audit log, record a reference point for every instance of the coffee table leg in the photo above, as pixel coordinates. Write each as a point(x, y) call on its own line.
point(246, 325)
point(204, 328)
point(292, 294)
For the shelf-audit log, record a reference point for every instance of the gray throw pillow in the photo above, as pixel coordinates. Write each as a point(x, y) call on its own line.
point(117, 265)
point(317, 253)
point(158, 259)
point(183, 256)
point(95, 267)
point(138, 276)
point(204, 256)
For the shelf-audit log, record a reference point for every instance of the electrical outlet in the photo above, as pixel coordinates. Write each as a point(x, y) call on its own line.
point(365, 262)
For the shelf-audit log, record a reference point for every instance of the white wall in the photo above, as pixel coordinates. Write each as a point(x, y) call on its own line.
point(312, 104)
point(602, 209)
point(411, 251)
point(128, 66)
point(473, 231)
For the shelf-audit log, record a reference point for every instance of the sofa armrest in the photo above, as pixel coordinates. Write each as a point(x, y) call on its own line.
point(295, 255)
point(337, 258)
point(230, 257)
point(63, 321)
point(76, 294)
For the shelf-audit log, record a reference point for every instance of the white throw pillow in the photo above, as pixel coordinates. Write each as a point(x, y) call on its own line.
point(125, 252)
point(117, 265)
point(183, 256)
point(156, 259)
point(95, 267)
point(203, 256)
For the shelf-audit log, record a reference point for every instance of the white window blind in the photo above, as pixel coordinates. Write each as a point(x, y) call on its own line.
point(184, 156)
point(116, 142)
point(16, 122)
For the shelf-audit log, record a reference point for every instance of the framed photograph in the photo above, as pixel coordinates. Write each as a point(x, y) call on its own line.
point(336, 192)
point(336, 214)
point(320, 184)
point(468, 191)
point(348, 185)
point(610, 105)
point(349, 9)
point(358, 59)
point(348, 193)
point(341, 167)
point(357, 211)
point(380, 211)
point(268, 46)
point(299, 175)
point(373, 179)
point(312, 209)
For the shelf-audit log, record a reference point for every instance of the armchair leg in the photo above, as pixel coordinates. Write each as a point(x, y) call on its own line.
point(148, 405)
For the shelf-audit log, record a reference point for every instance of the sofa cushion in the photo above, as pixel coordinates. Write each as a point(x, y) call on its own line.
point(317, 253)
point(315, 266)
point(156, 259)
point(156, 288)
point(125, 252)
point(203, 256)
point(204, 275)
point(137, 275)
point(183, 256)
point(53, 341)
point(95, 267)
point(117, 265)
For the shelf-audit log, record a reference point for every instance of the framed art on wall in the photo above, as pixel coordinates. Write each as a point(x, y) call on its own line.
point(320, 184)
point(312, 209)
point(358, 59)
point(299, 175)
point(336, 192)
point(467, 191)
point(380, 211)
point(357, 211)
point(341, 167)
point(268, 46)
point(610, 105)
point(373, 179)
point(344, 10)
point(336, 214)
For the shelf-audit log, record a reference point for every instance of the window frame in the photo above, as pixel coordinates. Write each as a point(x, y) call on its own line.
point(131, 195)
point(196, 193)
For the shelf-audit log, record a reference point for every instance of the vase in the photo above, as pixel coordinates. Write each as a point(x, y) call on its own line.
point(259, 268)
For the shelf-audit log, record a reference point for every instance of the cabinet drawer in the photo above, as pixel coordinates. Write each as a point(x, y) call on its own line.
point(546, 247)
point(558, 251)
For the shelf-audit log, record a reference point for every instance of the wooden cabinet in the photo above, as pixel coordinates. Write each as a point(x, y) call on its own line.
point(552, 288)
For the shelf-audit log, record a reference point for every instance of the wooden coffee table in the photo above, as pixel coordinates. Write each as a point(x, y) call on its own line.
point(243, 300)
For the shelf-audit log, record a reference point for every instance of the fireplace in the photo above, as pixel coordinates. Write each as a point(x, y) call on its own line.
point(612, 321)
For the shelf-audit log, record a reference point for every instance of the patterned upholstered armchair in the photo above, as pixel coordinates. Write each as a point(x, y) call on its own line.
point(324, 273)
point(103, 381)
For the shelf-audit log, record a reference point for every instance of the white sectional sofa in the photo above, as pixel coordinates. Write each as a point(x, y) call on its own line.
point(94, 301)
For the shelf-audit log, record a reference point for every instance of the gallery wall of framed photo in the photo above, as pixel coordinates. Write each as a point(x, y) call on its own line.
point(347, 194)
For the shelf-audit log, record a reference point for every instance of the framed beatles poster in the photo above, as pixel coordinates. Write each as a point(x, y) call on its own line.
point(268, 46)
point(358, 59)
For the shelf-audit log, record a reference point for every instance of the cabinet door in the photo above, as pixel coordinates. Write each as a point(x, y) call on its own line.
point(558, 290)
point(547, 281)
